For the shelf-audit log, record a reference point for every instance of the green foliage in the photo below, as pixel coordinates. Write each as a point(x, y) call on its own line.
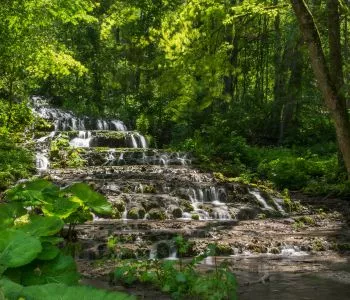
point(178, 279)
point(73, 204)
point(15, 162)
point(31, 263)
point(63, 155)
point(56, 291)
point(17, 249)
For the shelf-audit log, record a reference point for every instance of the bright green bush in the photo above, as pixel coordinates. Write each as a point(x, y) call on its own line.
point(15, 162)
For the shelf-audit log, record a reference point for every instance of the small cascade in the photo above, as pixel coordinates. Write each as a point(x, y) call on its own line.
point(68, 121)
point(46, 137)
point(277, 203)
point(133, 141)
point(83, 140)
point(118, 125)
point(42, 162)
point(139, 188)
point(110, 159)
point(215, 197)
point(143, 141)
point(121, 158)
point(260, 199)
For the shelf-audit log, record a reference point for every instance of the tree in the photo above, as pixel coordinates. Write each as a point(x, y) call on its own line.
point(329, 82)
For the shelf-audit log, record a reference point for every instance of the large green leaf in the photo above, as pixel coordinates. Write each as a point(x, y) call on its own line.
point(17, 248)
point(56, 291)
point(61, 207)
point(53, 240)
point(49, 252)
point(8, 212)
point(41, 226)
point(62, 269)
point(31, 191)
point(90, 198)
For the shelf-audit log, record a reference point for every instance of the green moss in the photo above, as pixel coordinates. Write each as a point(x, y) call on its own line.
point(136, 213)
point(177, 212)
point(157, 214)
point(307, 220)
point(119, 204)
point(223, 249)
point(195, 217)
point(186, 206)
point(149, 189)
point(317, 245)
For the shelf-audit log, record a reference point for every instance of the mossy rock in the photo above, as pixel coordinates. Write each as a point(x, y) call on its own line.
point(116, 214)
point(136, 213)
point(223, 249)
point(177, 212)
point(186, 206)
point(150, 204)
point(247, 213)
point(156, 214)
point(163, 250)
point(195, 217)
point(257, 248)
point(275, 250)
point(149, 189)
point(119, 204)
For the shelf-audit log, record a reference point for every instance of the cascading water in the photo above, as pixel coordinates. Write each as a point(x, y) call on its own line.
point(83, 140)
point(42, 162)
point(149, 182)
point(257, 195)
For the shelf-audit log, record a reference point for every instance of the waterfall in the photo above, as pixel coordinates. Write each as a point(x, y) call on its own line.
point(133, 141)
point(119, 125)
point(83, 140)
point(143, 142)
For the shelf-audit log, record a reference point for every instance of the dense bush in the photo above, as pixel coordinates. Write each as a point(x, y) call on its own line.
point(15, 162)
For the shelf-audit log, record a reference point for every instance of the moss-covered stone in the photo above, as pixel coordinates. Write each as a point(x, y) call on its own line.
point(157, 214)
point(275, 250)
point(136, 213)
point(163, 250)
point(247, 213)
point(195, 217)
point(223, 249)
point(150, 204)
point(149, 189)
point(186, 206)
point(119, 204)
point(177, 212)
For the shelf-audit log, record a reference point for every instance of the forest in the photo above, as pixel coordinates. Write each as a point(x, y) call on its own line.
point(255, 93)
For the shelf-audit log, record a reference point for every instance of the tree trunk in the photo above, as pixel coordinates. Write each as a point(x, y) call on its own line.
point(335, 55)
point(334, 100)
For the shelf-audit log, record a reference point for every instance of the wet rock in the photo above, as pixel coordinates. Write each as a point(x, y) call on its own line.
point(150, 204)
point(177, 212)
point(195, 217)
point(163, 250)
point(247, 213)
point(119, 204)
point(275, 250)
point(156, 214)
point(136, 213)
